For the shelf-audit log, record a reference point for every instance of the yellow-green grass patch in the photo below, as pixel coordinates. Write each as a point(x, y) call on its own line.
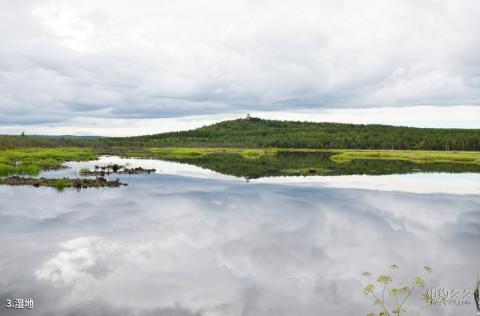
point(190, 152)
point(30, 161)
point(338, 155)
point(417, 156)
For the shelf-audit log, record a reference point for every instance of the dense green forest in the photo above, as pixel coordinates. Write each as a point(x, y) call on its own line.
point(255, 132)
point(259, 133)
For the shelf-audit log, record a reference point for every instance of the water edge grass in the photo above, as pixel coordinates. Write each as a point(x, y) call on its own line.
point(338, 155)
point(60, 184)
point(195, 152)
point(417, 156)
point(265, 162)
point(30, 161)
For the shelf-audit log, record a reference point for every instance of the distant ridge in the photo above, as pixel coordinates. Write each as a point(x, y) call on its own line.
point(257, 132)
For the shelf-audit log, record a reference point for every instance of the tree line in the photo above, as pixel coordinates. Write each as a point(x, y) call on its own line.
point(256, 132)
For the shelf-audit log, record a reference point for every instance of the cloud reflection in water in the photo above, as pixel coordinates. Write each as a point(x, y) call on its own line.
point(172, 245)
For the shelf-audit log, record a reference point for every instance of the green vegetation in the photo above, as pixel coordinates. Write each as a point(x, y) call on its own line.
point(30, 161)
point(84, 172)
point(418, 156)
point(392, 299)
point(60, 184)
point(256, 148)
point(282, 162)
point(259, 133)
point(189, 152)
point(6, 170)
point(253, 162)
point(337, 155)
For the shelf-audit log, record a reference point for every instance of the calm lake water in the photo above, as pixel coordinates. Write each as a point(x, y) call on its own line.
point(188, 241)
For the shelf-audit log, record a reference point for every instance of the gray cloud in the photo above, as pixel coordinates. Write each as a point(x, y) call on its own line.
point(114, 59)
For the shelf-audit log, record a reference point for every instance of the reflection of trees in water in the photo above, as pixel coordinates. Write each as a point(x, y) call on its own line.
point(314, 163)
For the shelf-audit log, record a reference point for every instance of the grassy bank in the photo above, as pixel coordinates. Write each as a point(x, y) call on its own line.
point(417, 156)
point(252, 161)
point(338, 155)
point(30, 161)
point(186, 152)
point(255, 163)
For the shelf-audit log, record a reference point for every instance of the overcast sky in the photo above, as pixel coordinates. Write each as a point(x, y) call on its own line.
point(126, 67)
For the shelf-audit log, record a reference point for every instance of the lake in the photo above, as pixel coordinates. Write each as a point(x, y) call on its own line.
point(191, 241)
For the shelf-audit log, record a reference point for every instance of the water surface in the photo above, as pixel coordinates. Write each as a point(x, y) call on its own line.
point(190, 241)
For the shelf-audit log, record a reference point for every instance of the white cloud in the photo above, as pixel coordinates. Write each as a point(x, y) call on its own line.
point(415, 116)
point(81, 257)
point(152, 59)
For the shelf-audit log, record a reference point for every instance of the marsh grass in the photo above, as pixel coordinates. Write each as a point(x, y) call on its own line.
point(187, 152)
point(30, 161)
point(60, 184)
point(417, 156)
point(84, 172)
point(338, 155)
point(270, 161)
point(30, 170)
point(261, 162)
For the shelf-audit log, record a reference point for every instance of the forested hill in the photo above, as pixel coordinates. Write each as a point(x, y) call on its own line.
point(255, 132)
